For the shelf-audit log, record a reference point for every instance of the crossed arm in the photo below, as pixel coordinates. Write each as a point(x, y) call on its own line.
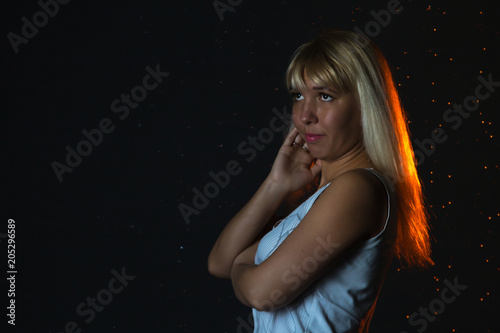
point(350, 210)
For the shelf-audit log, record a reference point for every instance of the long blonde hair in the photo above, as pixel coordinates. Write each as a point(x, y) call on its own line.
point(347, 61)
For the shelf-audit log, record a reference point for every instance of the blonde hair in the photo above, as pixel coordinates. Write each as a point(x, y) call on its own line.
point(350, 62)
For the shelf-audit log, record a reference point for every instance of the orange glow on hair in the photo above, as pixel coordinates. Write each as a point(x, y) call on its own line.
point(412, 243)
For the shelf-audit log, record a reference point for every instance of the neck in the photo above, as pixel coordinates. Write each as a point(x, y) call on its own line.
point(355, 159)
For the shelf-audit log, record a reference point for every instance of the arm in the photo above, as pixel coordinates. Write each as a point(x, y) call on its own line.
point(291, 171)
point(333, 225)
point(244, 228)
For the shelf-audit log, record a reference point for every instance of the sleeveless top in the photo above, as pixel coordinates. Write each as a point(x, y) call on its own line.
point(343, 299)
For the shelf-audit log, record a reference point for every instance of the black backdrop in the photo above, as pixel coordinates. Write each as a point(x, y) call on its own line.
point(104, 247)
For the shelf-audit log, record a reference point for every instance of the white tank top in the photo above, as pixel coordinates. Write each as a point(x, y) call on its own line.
point(343, 299)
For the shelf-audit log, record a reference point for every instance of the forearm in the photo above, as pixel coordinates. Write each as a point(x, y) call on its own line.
point(243, 228)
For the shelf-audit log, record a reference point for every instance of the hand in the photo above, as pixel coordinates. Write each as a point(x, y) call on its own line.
point(292, 168)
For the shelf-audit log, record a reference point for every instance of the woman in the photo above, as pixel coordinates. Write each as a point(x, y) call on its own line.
point(321, 268)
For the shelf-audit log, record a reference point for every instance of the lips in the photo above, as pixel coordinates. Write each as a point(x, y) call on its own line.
point(311, 137)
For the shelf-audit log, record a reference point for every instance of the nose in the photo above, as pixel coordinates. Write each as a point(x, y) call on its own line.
point(308, 113)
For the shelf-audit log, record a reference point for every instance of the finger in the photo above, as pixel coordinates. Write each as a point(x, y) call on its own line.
point(299, 140)
point(302, 155)
point(291, 137)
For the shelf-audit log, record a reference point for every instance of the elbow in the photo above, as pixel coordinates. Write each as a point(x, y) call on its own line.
point(267, 304)
point(261, 305)
point(215, 269)
point(247, 296)
point(260, 299)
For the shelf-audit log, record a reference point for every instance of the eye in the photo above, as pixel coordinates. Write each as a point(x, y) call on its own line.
point(297, 96)
point(326, 97)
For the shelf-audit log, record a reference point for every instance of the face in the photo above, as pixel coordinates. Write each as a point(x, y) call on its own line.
point(328, 120)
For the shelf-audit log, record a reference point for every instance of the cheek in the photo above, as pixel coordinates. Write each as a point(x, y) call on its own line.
point(296, 119)
point(338, 121)
point(346, 116)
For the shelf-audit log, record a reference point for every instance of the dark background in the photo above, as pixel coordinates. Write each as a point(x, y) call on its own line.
point(119, 208)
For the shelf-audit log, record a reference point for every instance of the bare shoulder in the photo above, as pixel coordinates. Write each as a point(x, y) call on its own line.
point(359, 180)
point(358, 194)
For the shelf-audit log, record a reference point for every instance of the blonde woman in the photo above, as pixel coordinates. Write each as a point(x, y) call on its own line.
point(321, 268)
